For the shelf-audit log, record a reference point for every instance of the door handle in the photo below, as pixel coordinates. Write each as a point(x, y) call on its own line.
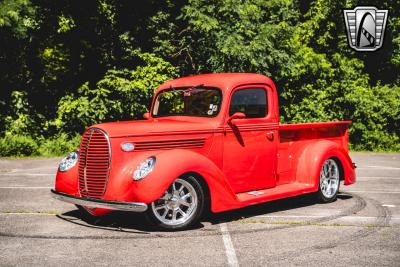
point(270, 136)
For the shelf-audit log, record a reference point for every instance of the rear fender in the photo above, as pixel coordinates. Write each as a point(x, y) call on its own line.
point(310, 162)
point(173, 163)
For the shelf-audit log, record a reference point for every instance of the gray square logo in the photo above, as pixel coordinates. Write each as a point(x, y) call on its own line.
point(365, 27)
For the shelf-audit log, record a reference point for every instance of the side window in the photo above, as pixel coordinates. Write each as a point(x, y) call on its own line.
point(252, 102)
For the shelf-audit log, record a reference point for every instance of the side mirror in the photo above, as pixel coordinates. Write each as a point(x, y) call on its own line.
point(146, 115)
point(236, 116)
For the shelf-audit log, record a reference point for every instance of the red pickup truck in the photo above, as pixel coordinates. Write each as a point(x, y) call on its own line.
point(210, 141)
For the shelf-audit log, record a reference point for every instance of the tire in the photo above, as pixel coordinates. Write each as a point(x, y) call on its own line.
point(329, 181)
point(180, 207)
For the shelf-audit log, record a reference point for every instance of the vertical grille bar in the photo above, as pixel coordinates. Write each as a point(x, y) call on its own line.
point(94, 163)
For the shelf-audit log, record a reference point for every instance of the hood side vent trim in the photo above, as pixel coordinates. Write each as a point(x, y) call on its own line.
point(170, 144)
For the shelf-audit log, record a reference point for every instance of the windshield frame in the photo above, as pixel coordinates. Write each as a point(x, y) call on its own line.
point(181, 88)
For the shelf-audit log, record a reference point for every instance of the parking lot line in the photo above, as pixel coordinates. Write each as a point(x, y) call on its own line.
point(31, 169)
point(316, 217)
point(27, 174)
point(389, 205)
point(372, 192)
point(377, 178)
point(378, 167)
point(26, 187)
point(229, 249)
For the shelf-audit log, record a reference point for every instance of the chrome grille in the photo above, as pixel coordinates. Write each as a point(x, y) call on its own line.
point(94, 163)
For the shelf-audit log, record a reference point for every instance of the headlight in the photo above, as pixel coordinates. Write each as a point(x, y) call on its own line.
point(144, 168)
point(69, 161)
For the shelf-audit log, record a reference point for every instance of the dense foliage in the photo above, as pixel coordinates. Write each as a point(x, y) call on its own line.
point(65, 65)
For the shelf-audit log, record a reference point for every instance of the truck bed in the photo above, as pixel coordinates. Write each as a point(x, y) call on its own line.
point(335, 130)
point(293, 137)
point(312, 125)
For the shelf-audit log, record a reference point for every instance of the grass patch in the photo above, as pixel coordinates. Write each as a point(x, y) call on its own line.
point(51, 212)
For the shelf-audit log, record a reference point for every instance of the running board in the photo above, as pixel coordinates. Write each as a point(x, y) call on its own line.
point(278, 192)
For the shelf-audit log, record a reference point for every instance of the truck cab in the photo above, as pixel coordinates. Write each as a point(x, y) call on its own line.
point(209, 141)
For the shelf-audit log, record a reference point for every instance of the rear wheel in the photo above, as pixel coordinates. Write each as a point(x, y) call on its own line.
point(329, 181)
point(180, 207)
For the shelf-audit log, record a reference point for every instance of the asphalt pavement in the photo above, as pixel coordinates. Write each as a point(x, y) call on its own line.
point(361, 228)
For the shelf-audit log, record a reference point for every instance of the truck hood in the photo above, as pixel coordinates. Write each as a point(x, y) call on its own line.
point(155, 127)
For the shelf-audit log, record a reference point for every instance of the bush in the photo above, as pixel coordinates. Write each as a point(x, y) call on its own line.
point(17, 145)
point(376, 118)
point(20, 145)
point(19, 120)
point(58, 145)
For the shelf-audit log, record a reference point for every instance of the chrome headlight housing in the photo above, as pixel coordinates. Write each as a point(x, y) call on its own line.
point(144, 168)
point(69, 161)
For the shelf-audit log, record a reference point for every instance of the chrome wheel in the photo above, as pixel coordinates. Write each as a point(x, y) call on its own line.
point(329, 179)
point(178, 204)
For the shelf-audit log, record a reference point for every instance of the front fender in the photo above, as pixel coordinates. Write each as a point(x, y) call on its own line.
point(173, 163)
point(310, 162)
point(67, 182)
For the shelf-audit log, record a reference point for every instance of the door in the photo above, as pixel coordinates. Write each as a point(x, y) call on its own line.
point(250, 145)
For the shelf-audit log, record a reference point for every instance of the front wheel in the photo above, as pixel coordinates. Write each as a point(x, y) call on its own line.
point(329, 181)
point(180, 207)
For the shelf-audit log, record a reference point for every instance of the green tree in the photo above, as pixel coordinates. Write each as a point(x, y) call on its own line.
point(121, 95)
point(62, 58)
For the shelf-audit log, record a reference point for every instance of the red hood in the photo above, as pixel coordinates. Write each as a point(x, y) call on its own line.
point(156, 127)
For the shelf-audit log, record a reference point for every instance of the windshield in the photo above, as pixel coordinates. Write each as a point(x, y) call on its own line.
point(188, 101)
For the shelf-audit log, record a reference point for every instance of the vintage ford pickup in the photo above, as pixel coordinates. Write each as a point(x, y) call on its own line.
point(210, 142)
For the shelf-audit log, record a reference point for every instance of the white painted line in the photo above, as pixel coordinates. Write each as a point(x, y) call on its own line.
point(316, 217)
point(28, 174)
point(26, 187)
point(388, 205)
point(377, 178)
point(229, 249)
point(289, 216)
point(372, 192)
point(31, 169)
point(379, 167)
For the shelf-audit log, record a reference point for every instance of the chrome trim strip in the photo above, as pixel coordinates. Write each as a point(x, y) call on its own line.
point(109, 157)
point(85, 164)
point(100, 203)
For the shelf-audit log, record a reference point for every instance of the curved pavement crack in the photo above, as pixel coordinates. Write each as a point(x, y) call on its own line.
point(359, 205)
